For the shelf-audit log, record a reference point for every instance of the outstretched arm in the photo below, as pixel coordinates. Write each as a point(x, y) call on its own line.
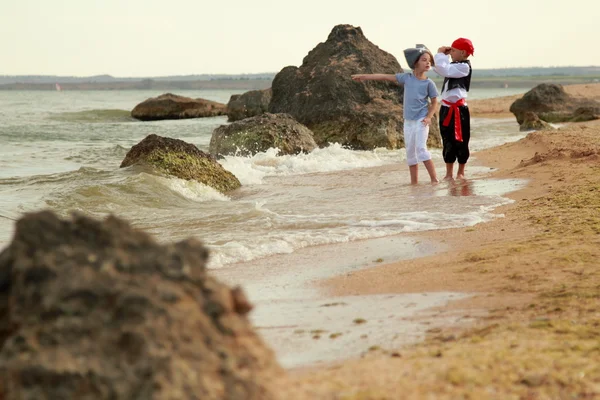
point(374, 77)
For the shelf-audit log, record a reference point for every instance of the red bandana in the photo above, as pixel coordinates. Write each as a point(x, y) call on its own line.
point(464, 44)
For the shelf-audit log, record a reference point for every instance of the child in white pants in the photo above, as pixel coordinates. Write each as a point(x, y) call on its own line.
point(418, 89)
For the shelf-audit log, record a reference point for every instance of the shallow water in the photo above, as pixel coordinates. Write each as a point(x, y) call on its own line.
point(63, 150)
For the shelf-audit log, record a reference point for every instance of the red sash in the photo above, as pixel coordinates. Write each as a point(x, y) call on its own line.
point(454, 110)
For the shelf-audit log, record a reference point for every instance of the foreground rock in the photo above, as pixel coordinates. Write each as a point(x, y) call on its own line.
point(552, 104)
point(97, 310)
point(171, 106)
point(182, 160)
point(249, 104)
point(321, 95)
point(260, 133)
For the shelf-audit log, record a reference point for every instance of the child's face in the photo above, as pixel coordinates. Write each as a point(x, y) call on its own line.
point(457, 55)
point(423, 63)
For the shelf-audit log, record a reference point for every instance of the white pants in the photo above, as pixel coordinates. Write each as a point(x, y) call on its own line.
point(415, 142)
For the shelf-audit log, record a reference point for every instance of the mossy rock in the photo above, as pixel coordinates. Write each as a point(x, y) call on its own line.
point(586, 114)
point(531, 122)
point(260, 133)
point(183, 160)
point(556, 117)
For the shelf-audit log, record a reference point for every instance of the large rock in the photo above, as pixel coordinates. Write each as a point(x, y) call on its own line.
point(260, 133)
point(249, 104)
point(552, 104)
point(182, 160)
point(321, 94)
point(171, 106)
point(98, 310)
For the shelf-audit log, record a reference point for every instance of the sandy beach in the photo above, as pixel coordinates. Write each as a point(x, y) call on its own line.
point(531, 326)
point(499, 107)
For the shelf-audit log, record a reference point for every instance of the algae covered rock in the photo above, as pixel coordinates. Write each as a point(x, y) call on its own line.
point(531, 122)
point(182, 160)
point(97, 310)
point(260, 133)
point(172, 106)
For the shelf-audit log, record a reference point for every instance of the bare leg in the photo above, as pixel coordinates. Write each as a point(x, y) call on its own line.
point(431, 170)
point(449, 171)
point(414, 174)
point(461, 171)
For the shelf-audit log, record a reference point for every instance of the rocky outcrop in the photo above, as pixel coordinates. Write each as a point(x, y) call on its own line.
point(531, 122)
point(321, 94)
point(552, 104)
point(249, 104)
point(171, 106)
point(97, 310)
point(258, 134)
point(182, 160)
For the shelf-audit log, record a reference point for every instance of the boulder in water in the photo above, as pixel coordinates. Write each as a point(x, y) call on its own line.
point(172, 106)
point(260, 133)
point(182, 160)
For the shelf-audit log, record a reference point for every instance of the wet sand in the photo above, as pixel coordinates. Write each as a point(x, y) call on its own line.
point(531, 323)
point(308, 325)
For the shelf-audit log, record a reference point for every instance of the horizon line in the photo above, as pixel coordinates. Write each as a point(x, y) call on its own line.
point(257, 73)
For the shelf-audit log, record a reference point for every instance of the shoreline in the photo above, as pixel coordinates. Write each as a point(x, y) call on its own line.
point(309, 327)
point(498, 107)
point(533, 319)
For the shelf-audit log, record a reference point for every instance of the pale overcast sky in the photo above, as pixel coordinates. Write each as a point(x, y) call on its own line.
point(126, 38)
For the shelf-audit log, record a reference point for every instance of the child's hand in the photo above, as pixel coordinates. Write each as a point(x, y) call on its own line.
point(444, 49)
point(426, 121)
point(358, 78)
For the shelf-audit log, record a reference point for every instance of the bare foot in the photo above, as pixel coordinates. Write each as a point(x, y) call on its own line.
point(460, 176)
point(435, 181)
point(448, 178)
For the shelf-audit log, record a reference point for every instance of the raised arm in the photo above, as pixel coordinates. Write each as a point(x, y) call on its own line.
point(447, 70)
point(374, 77)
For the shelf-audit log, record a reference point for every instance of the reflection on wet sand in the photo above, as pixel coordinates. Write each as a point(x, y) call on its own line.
point(461, 187)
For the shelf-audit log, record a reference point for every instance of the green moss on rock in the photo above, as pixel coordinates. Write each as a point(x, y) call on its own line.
point(182, 160)
point(186, 166)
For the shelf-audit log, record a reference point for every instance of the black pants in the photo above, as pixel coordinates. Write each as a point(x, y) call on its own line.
point(454, 149)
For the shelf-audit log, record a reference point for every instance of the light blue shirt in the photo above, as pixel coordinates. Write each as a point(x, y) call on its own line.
point(416, 95)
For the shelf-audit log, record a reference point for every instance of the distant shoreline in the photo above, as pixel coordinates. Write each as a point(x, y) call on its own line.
point(259, 84)
point(225, 84)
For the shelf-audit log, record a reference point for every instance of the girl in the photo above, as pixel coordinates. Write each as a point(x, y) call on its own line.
point(418, 88)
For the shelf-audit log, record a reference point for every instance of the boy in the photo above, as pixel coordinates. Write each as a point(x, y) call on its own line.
point(455, 119)
point(418, 90)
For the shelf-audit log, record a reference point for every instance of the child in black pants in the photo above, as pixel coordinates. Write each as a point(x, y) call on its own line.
point(455, 119)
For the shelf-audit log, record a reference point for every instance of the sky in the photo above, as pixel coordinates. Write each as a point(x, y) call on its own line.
point(147, 38)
